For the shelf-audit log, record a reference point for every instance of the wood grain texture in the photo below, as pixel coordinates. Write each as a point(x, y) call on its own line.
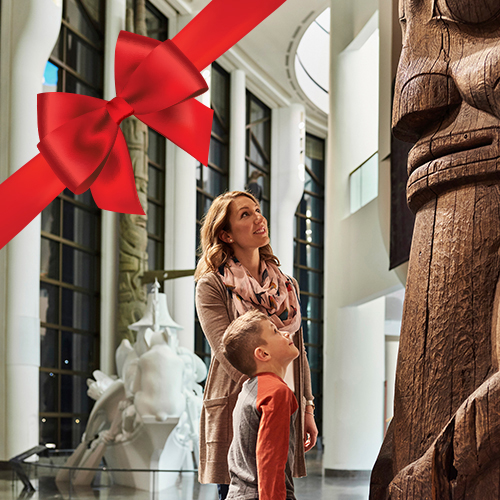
point(444, 439)
point(133, 258)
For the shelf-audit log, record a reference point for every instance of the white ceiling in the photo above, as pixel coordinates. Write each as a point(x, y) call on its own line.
point(277, 37)
point(269, 53)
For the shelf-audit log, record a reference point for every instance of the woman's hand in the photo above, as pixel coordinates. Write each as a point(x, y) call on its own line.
point(310, 431)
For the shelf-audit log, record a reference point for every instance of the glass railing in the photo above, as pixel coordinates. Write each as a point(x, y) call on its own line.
point(44, 470)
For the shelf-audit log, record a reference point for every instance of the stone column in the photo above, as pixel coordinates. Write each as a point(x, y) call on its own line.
point(31, 32)
point(287, 178)
point(180, 240)
point(180, 224)
point(356, 259)
point(115, 21)
point(237, 139)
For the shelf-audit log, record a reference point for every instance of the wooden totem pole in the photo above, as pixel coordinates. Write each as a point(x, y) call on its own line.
point(444, 439)
point(132, 296)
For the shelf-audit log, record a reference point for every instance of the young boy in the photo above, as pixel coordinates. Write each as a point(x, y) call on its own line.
point(261, 454)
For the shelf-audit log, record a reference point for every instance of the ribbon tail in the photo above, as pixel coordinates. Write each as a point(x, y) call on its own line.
point(24, 195)
point(187, 124)
point(220, 25)
point(114, 189)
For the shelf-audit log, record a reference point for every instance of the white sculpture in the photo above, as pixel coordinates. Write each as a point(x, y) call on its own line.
point(152, 396)
point(148, 417)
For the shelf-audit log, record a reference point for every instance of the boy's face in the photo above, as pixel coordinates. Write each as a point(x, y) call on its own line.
point(279, 345)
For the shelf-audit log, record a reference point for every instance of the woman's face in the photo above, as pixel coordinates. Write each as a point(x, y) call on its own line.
point(248, 227)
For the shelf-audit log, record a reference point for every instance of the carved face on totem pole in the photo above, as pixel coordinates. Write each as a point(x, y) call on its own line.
point(447, 95)
point(444, 439)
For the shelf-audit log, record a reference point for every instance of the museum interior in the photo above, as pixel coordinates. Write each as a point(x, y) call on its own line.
point(302, 118)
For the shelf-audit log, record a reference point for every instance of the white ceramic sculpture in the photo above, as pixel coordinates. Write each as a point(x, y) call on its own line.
point(148, 417)
point(152, 396)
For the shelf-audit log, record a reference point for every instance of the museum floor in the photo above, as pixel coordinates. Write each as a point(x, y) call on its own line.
point(312, 487)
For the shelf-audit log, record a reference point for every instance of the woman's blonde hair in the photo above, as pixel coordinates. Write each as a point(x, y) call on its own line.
point(213, 251)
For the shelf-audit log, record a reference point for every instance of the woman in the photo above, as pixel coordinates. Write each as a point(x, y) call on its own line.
point(237, 272)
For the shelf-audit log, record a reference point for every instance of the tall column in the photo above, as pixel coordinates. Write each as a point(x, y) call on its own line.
point(115, 21)
point(237, 139)
point(180, 223)
point(5, 58)
point(288, 143)
point(185, 232)
point(354, 346)
point(33, 29)
point(180, 240)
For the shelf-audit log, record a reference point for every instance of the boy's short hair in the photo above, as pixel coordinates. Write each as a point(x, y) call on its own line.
point(241, 339)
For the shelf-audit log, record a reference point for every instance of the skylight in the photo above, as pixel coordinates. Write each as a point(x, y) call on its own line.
point(312, 61)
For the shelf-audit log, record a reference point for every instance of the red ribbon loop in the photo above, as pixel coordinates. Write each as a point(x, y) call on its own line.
point(78, 141)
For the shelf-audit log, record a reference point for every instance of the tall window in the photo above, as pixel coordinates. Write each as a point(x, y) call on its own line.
point(212, 180)
point(156, 23)
point(156, 201)
point(70, 242)
point(258, 148)
point(78, 53)
point(157, 28)
point(308, 262)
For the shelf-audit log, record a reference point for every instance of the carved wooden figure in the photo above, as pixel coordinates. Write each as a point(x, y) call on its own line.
point(132, 295)
point(444, 439)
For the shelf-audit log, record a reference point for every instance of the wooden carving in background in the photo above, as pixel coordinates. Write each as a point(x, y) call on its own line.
point(444, 439)
point(133, 262)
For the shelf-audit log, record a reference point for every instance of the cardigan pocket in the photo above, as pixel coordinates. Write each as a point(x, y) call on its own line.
point(217, 419)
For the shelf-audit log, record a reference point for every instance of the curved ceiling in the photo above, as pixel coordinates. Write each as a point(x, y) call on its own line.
point(273, 45)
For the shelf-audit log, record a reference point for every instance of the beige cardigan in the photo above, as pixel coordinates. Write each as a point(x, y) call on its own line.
point(216, 311)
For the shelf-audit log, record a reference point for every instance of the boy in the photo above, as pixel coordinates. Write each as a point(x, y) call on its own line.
point(261, 455)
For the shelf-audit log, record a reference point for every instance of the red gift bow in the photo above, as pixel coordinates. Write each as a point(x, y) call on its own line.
point(81, 144)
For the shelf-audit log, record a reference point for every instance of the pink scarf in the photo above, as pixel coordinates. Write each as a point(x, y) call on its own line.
point(276, 296)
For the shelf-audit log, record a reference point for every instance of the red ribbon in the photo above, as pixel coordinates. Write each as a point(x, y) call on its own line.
point(81, 145)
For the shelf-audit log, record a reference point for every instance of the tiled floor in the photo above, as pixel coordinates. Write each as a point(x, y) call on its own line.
point(312, 487)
